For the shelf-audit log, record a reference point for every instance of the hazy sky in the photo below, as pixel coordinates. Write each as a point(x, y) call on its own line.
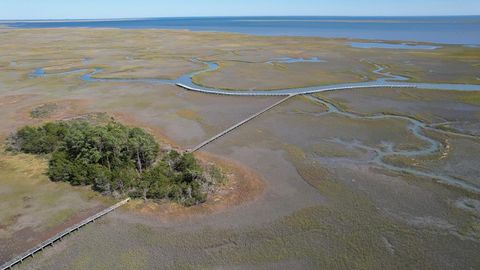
point(87, 9)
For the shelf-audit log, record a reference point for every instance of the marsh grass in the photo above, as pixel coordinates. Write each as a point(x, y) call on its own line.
point(44, 110)
point(348, 231)
point(29, 196)
point(190, 115)
point(470, 98)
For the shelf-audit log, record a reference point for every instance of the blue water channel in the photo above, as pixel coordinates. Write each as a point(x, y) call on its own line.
point(185, 81)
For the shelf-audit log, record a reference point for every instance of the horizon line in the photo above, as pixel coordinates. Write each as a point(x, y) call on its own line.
point(236, 16)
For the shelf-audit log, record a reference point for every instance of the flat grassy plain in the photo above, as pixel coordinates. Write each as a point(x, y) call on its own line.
point(33, 208)
point(298, 199)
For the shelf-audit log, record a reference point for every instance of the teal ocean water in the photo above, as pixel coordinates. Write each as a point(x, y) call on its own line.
point(463, 30)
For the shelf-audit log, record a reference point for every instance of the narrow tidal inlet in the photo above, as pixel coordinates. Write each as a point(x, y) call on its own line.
point(415, 127)
point(383, 45)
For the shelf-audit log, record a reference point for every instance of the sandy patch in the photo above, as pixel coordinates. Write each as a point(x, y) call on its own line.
point(243, 186)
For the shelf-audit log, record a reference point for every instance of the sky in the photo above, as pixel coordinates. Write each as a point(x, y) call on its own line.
point(96, 9)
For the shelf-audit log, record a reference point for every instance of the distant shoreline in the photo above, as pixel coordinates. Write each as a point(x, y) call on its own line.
point(458, 30)
point(69, 20)
point(253, 18)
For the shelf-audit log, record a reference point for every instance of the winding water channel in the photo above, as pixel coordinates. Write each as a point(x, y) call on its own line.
point(415, 127)
point(387, 80)
point(185, 81)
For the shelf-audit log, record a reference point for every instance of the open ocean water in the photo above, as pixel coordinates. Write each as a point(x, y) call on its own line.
point(463, 30)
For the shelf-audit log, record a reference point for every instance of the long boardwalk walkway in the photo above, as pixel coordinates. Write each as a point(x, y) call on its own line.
point(59, 236)
point(223, 133)
point(293, 91)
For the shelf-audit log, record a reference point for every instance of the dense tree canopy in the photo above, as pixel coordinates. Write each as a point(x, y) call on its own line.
point(115, 159)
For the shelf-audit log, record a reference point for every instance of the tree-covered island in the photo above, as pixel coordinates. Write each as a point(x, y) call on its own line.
point(117, 160)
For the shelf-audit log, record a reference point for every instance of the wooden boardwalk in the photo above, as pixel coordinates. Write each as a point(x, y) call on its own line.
point(59, 236)
point(288, 92)
point(274, 93)
point(223, 133)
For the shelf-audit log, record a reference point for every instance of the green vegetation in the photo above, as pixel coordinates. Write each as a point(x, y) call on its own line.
point(115, 159)
point(43, 110)
point(471, 98)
